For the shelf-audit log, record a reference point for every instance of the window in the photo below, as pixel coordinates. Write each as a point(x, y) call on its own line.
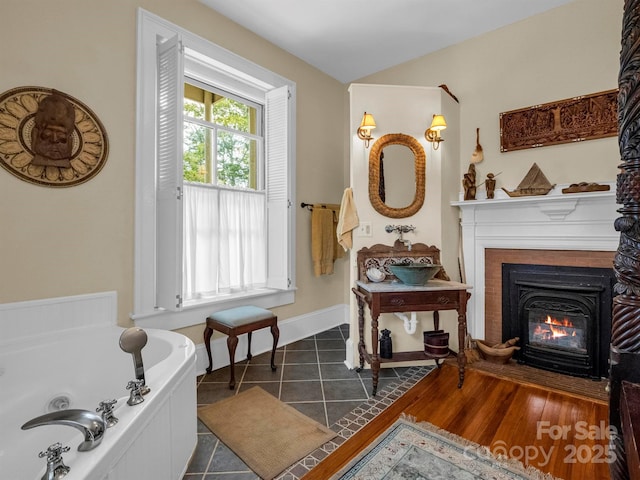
point(214, 176)
point(223, 139)
point(224, 246)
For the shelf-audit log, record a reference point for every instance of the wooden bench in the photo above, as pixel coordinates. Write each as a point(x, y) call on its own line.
point(234, 322)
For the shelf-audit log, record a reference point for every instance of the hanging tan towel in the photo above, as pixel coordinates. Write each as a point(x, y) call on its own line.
point(348, 219)
point(338, 251)
point(322, 241)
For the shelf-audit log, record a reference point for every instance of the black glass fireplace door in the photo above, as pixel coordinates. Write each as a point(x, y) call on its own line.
point(562, 316)
point(559, 328)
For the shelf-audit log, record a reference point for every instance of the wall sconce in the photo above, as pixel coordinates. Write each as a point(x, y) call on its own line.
point(364, 130)
point(433, 132)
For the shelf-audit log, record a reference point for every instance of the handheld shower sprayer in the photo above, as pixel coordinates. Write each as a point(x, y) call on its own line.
point(132, 340)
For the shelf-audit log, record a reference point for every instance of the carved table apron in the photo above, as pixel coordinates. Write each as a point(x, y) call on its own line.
point(388, 297)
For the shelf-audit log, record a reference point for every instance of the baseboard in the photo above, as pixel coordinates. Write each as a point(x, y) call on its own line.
point(291, 330)
point(349, 360)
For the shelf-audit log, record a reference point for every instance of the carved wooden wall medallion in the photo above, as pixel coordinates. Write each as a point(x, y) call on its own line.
point(586, 117)
point(50, 138)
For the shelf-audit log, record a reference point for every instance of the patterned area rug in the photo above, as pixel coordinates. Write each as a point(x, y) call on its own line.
point(425, 452)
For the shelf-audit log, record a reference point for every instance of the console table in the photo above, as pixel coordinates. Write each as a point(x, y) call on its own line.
point(392, 296)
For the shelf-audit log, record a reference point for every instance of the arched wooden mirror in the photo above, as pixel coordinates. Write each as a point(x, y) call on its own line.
point(396, 163)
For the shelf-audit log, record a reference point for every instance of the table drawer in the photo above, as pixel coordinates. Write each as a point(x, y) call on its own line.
point(416, 301)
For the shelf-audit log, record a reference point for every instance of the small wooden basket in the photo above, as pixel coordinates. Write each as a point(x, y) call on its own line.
point(495, 355)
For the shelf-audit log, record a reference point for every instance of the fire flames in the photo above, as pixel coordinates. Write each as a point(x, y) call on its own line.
point(558, 328)
point(557, 332)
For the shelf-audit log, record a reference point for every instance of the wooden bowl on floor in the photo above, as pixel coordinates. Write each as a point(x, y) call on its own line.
point(495, 355)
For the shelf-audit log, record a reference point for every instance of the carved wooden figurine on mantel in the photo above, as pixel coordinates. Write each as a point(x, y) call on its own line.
point(490, 185)
point(469, 183)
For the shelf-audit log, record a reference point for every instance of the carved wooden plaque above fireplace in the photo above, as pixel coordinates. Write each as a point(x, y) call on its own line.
point(572, 120)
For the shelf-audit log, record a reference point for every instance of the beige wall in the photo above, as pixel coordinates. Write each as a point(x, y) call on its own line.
point(59, 242)
point(568, 51)
point(407, 110)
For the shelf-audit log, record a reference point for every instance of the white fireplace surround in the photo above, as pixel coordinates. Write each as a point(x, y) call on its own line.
point(556, 221)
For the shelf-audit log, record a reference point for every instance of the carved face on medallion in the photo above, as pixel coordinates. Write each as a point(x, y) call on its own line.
point(50, 138)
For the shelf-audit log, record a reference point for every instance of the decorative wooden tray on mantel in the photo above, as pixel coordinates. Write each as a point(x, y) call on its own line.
point(583, 187)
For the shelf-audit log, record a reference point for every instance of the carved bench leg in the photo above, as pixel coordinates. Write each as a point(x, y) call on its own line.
point(275, 332)
point(232, 343)
point(208, 331)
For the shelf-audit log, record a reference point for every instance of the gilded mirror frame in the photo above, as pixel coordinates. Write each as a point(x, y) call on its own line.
point(374, 175)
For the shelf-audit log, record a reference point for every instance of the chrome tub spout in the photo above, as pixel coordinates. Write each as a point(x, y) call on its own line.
point(90, 424)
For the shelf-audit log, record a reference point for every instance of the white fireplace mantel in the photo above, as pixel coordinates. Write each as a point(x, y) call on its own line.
point(556, 221)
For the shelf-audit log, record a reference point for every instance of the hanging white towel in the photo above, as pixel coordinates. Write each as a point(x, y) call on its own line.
point(347, 220)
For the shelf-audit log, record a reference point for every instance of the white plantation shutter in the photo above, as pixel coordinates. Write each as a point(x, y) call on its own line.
point(169, 234)
point(277, 180)
point(160, 214)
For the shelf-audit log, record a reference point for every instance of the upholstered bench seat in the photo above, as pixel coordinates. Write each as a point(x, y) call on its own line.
point(234, 322)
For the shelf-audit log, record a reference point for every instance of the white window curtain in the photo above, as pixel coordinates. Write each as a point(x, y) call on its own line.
point(225, 233)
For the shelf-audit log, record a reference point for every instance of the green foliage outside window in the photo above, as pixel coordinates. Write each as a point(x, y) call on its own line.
point(234, 151)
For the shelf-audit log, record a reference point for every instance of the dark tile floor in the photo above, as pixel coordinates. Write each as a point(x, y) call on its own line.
point(311, 377)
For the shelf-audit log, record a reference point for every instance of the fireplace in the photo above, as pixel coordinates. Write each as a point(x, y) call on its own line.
point(554, 229)
point(561, 314)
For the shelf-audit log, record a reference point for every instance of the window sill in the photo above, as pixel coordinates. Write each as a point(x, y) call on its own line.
point(196, 312)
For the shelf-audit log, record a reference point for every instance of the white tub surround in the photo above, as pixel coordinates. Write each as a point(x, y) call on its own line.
point(65, 351)
point(556, 221)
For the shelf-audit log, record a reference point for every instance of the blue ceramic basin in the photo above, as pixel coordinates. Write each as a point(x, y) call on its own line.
point(414, 273)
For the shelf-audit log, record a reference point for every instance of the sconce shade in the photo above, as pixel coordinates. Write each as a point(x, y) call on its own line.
point(438, 123)
point(433, 132)
point(364, 130)
point(368, 121)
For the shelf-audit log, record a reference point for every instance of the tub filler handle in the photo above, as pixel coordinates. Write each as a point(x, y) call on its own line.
point(135, 397)
point(90, 424)
point(55, 466)
point(105, 408)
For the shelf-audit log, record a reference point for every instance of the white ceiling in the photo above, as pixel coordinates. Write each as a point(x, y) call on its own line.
point(349, 39)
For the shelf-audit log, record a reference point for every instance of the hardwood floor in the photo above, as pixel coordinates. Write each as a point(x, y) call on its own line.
point(556, 433)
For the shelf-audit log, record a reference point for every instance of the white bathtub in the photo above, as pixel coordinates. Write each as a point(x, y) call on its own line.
point(85, 365)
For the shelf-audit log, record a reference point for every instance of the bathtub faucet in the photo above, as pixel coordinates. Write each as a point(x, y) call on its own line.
point(90, 424)
point(401, 230)
point(56, 468)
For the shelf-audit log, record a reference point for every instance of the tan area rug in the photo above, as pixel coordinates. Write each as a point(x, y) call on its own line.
point(267, 434)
